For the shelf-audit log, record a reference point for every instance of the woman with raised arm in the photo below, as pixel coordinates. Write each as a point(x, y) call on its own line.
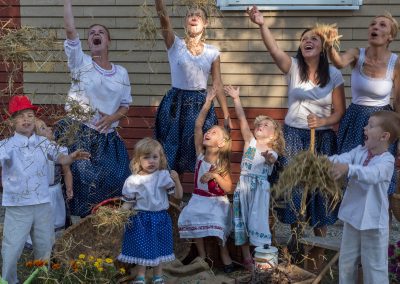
point(316, 100)
point(375, 77)
point(99, 97)
point(191, 61)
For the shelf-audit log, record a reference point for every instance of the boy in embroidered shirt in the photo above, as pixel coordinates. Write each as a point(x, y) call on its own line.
point(365, 206)
point(26, 196)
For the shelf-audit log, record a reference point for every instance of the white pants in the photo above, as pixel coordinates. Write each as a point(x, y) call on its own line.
point(368, 247)
point(19, 222)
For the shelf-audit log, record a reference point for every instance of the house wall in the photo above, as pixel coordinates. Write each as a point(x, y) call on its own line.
point(244, 60)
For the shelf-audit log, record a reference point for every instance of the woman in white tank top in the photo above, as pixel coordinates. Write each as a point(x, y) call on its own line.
point(375, 78)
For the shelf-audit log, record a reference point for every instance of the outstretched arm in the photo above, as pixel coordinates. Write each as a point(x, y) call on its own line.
point(198, 126)
point(69, 23)
point(69, 159)
point(218, 86)
point(166, 27)
point(281, 58)
point(344, 59)
point(234, 93)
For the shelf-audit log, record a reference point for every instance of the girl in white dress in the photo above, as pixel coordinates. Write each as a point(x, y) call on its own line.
point(252, 194)
point(208, 212)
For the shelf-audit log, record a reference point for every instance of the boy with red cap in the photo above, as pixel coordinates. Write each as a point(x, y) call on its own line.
point(24, 160)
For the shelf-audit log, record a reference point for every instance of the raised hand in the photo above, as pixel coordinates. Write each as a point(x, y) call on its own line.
point(233, 92)
point(255, 15)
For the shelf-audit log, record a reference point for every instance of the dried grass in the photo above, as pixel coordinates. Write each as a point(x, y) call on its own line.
point(110, 219)
point(27, 44)
point(311, 173)
point(329, 33)
point(210, 6)
point(147, 28)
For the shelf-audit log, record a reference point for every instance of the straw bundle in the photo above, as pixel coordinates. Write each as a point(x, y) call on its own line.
point(329, 33)
point(311, 172)
point(110, 219)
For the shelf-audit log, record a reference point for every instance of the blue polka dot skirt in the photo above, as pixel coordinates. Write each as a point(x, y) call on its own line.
point(351, 132)
point(102, 176)
point(148, 239)
point(318, 211)
point(174, 127)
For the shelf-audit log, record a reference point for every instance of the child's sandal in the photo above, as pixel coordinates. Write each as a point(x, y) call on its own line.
point(138, 280)
point(158, 280)
point(248, 263)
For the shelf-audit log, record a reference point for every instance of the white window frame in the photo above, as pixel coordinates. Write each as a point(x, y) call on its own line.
point(290, 4)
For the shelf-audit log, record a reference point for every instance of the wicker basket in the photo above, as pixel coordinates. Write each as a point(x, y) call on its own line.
point(85, 238)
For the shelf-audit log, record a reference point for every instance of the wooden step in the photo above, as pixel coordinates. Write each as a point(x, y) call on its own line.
point(322, 242)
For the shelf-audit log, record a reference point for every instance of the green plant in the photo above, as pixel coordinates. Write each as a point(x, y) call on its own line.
point(85, 269)
point(394, 262)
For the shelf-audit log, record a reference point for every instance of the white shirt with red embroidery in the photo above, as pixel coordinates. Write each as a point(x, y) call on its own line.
point(365, 204)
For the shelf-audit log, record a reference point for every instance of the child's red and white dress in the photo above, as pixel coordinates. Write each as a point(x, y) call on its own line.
point(208, 212)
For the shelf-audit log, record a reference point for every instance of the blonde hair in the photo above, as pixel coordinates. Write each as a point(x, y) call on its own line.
point(389, 121)
point(147, 146)
point(223, 164)
point(278, 142)
point(37, 122)
point(394, 25)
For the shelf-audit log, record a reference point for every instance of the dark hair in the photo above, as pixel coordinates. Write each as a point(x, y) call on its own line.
point(104, 27)
point(323, 77)
point(389, 121)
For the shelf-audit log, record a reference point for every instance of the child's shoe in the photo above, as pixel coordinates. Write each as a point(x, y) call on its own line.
point(229, 268)
point(248, 263)
point(158, 280)
point(138, 280)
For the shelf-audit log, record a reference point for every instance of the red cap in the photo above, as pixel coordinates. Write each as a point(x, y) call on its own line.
point(18, 103)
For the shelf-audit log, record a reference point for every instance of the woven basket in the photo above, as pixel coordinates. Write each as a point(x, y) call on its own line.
point(85, 238)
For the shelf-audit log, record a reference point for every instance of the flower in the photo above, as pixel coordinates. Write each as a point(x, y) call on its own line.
point(394, 262)
point(83, 269)
point(55, 266)
point(29, 264)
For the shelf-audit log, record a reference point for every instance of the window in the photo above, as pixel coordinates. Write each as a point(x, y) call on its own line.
point(290, 4)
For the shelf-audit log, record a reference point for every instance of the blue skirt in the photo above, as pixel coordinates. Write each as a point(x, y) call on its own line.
point(148, 239)
point(318, 212)
point(102, 176)
point(174, 127)
point(351, 132)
